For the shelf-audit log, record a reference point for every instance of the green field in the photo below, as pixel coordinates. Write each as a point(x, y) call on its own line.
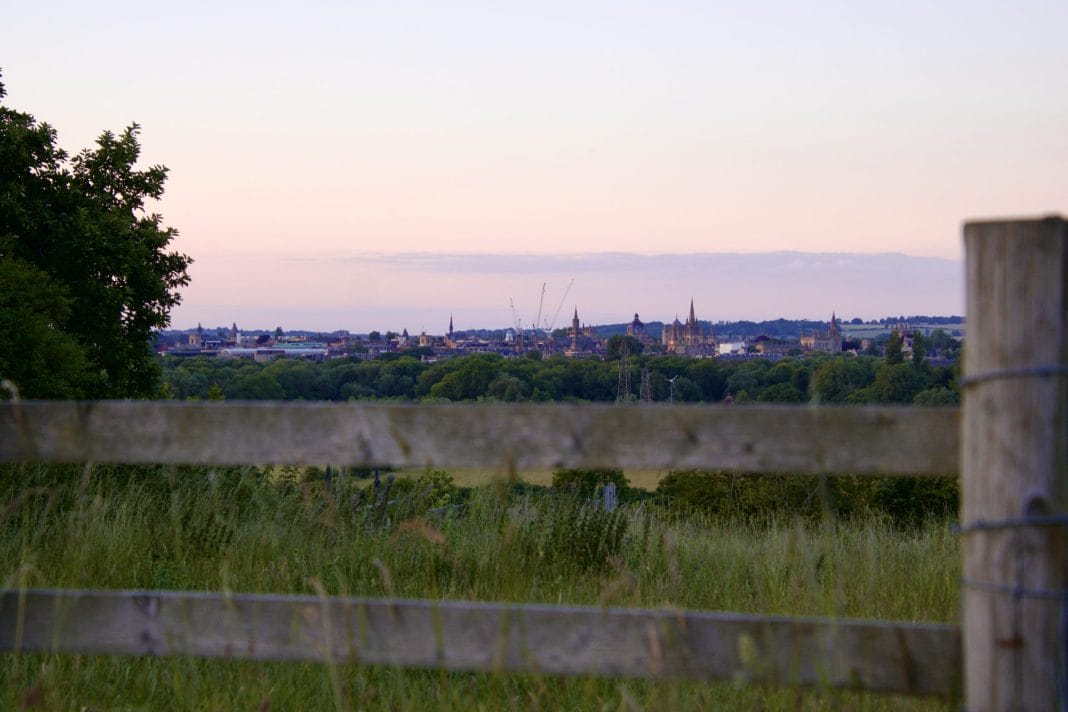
point(475, 477)
point(871, 331)
point(241, 530)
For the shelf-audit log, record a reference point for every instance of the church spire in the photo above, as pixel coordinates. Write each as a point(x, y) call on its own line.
point(575, 332)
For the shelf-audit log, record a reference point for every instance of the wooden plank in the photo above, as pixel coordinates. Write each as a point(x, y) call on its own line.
point(774, 439)
point(1015, 458)
point(910, 658)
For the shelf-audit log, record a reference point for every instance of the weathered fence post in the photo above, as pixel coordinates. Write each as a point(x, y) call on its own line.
point(1015, 483)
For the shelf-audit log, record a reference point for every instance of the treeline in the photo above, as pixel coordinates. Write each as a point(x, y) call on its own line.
point(774, 328)
point(490, 377)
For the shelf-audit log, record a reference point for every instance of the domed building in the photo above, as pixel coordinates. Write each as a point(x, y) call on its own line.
point(637, 329)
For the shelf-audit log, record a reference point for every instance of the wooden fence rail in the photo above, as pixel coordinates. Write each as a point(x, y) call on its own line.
point(913, 658)
point(773, 439)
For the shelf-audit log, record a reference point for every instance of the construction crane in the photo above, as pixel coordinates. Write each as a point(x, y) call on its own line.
point(550, 324)
point(537, 321)
point(518, 326)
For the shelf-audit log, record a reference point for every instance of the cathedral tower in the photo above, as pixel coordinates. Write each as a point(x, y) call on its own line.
point(834, 335)
point(693, 330)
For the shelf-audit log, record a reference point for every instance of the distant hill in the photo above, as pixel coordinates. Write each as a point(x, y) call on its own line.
point(794, 328)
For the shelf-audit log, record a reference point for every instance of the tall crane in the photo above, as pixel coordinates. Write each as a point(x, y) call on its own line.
point(550, 324)
point(537, 321)
point(518, 326)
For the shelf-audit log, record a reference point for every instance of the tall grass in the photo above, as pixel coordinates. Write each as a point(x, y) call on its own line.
point(238, 530)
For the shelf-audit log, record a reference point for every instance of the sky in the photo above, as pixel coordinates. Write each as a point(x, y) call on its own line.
point(312, 147)
point(390, 291)
point(723, 287)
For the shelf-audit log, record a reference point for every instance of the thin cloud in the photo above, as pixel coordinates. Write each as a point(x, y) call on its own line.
point(624, 262)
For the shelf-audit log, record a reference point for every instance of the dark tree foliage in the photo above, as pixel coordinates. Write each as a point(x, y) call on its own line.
point(919, 351)
point(761, 499)
point(782, 393)
point(620, 343)
point(41, 360)
point(894, 349)
point(837, 379)
point(86, 277)
point(896, 383)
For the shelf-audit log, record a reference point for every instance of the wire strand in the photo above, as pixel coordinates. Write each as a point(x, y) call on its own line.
point(1002, 374)
point(1015, 591)
point(1050, 520)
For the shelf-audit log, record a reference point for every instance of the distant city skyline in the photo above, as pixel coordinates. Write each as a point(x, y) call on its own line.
point(365, 292)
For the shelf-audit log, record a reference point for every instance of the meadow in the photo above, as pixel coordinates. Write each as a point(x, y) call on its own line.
point(477, 477)
point(243, 530)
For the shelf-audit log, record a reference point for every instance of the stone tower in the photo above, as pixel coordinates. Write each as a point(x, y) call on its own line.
point(834, 335)
point(574, 332)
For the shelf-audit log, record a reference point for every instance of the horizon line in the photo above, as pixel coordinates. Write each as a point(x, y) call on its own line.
point(841, 320)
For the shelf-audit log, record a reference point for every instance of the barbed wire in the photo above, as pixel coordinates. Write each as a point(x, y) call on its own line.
point(1050, 520)
point(1015, 590)
point(1001, 374)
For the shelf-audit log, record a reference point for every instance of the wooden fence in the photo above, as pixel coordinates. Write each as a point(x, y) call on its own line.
point(1009, 447)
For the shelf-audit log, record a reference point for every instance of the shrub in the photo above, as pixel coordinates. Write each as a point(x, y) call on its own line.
point(399, 498)
point(743, 497)
point(436, 489)
point(904, 501)
point(908, 501)
point(938, 396)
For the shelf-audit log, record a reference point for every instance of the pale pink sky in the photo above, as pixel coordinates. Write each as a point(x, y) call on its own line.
point(326, 128)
